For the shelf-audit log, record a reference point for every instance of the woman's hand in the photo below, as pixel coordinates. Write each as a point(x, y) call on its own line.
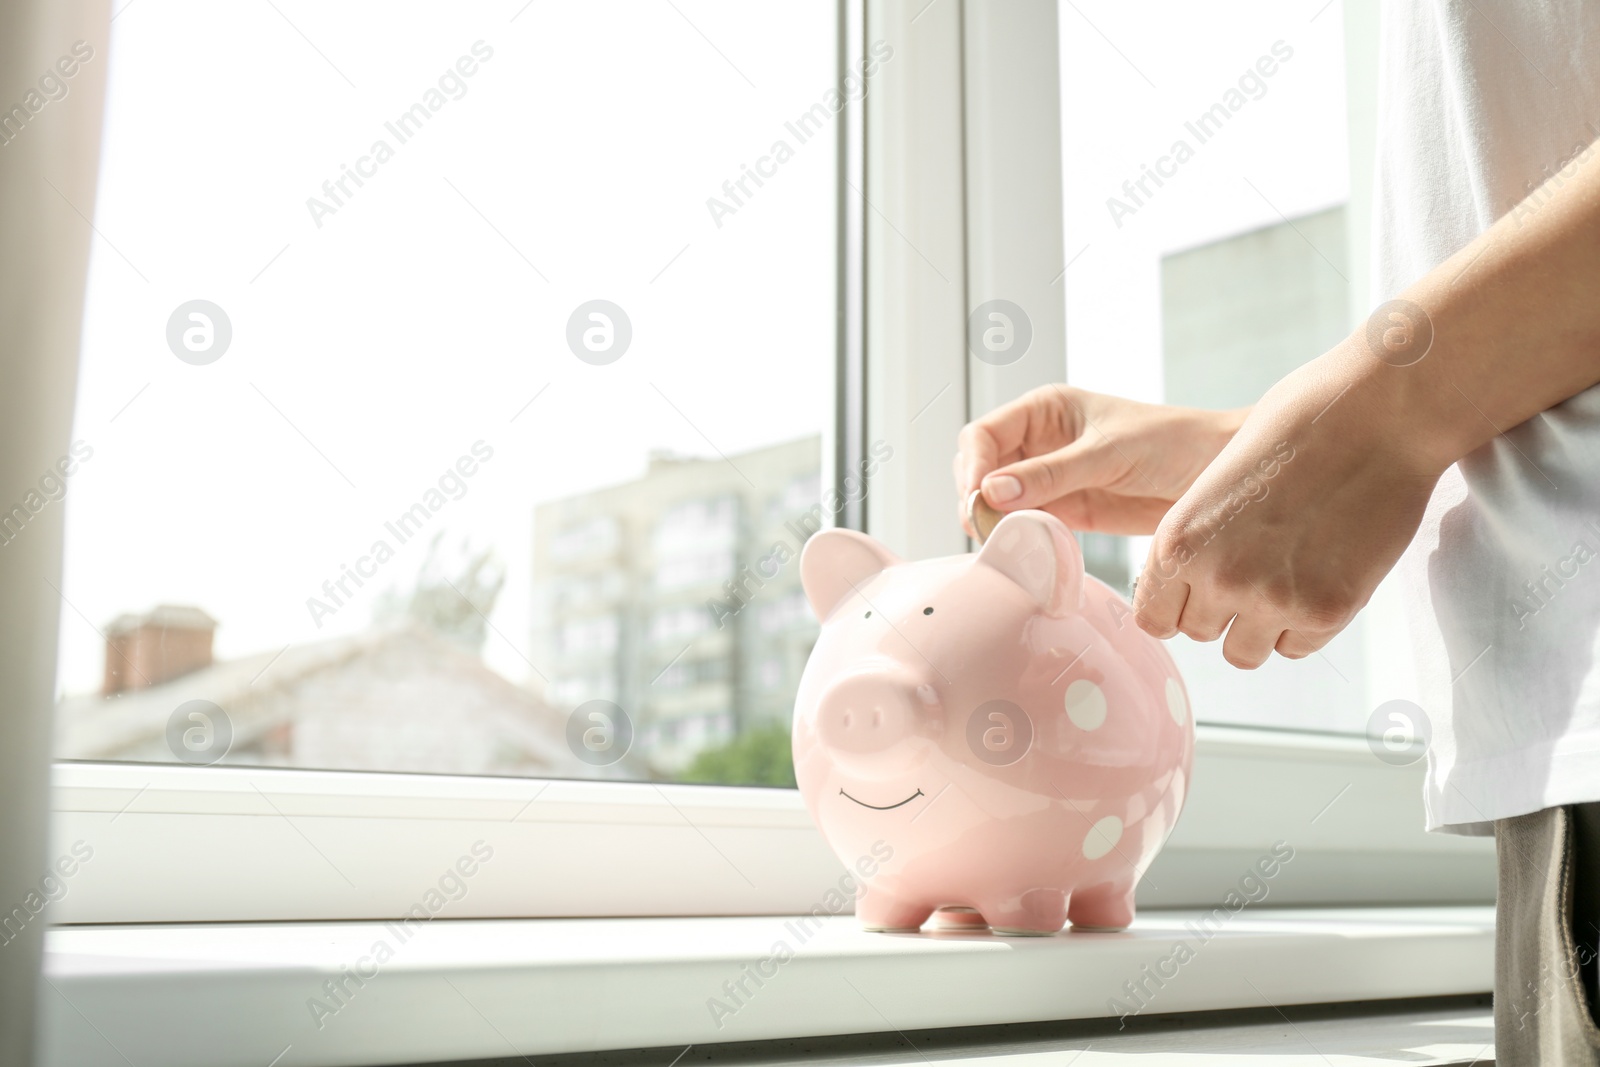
point(1284, 537)
point(1282, 556)
point(1095, 462)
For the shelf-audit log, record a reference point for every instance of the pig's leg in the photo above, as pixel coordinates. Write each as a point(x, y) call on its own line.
point(1037, 912)
point(1108, 906)
point(880, 912)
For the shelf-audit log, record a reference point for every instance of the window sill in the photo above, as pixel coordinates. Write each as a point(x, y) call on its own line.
point(243, 994)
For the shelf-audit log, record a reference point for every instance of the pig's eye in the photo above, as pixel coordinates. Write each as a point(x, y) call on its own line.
point(927, 611)
point(868, 615)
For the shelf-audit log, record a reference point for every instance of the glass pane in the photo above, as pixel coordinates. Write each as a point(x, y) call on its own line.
point(445, 368)
point(1209, 207)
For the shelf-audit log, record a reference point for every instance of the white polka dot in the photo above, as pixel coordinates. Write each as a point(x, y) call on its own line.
point(1103, 837)
point(1086, 705)
point(1176, 702)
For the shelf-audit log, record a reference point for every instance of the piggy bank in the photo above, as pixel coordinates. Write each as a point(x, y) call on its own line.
point(990, 735)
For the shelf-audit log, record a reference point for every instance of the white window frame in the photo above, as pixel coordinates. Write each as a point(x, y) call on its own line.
point(961, 175)
point(171, 843)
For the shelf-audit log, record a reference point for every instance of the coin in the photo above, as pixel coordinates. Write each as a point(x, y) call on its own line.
point(981, 517)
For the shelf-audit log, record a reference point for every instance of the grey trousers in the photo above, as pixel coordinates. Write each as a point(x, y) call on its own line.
point(1547, 937)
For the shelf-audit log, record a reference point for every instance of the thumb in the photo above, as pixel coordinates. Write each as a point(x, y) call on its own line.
point(1042, 480)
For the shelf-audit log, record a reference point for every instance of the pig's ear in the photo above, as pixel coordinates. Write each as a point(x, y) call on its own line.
point(1037, 551)
point(835, 563)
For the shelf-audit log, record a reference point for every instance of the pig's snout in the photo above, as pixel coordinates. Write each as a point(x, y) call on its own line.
point(866, 714)
point(868, 721)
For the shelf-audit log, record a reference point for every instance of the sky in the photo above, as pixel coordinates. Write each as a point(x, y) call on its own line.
point(379, 337)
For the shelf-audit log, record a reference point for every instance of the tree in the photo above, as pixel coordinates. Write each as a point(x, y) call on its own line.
point(762, 756)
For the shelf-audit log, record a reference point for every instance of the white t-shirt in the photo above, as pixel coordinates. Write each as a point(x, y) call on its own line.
point(1479, 104)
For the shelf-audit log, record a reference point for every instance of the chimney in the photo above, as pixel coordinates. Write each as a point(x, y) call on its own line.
point(158, 646)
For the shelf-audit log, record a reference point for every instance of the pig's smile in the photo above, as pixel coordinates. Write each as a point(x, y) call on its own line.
point(883, 807)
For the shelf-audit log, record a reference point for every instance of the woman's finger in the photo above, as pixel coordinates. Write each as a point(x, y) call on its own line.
point(1028, 425)
point(1205, 618)
point(1252, 637)
point(1296, 644)
point(1158, 601)
point(1033, 483)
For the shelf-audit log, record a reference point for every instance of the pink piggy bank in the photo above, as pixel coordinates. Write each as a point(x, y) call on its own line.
point(995, 724)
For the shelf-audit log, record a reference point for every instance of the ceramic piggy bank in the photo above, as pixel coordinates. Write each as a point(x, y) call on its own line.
point(988, 734)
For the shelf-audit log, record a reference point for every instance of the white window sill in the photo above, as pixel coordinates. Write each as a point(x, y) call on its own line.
point(219, 995)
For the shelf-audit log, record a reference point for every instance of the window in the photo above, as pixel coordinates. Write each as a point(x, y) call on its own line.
point(1217, 236)
point(609, 549)
point(418, 365)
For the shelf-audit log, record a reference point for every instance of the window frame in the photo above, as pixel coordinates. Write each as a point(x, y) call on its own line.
point(172, 843)
point(949, 195)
